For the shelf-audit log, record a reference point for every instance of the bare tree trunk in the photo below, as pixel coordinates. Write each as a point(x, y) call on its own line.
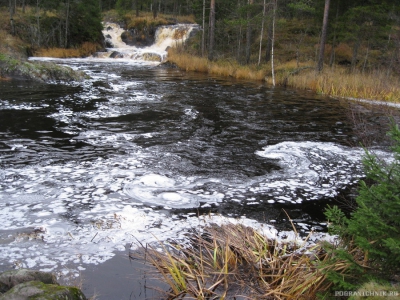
point(12, 10)
point(211, 31)
point(154, 9)
point(66, 26)
point(320, 64)
point(354, 58)
point(38, 21)
point(262, 32)
point(23, 6)
point(239, 43)
point(248, 32)
point(175, 8)
point(332, 58)
point(269, 42)
point(137, 8)
point(203, 46)
point(366, 58)
point(273, 41)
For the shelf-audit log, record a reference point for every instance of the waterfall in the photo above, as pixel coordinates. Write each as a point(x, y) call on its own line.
point(165, 37)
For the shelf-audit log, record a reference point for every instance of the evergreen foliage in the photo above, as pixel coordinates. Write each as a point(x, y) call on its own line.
point(86, 22)
point(374, 227)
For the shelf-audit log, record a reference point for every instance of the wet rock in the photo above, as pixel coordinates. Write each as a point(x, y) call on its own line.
point(12, 278)
point(26, 284)
point(142, 37)
point(40, 291)
point(38, 71)
point(152, 57)
point(116, 54)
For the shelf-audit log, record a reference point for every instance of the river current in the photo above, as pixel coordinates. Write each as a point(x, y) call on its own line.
point(142, 152)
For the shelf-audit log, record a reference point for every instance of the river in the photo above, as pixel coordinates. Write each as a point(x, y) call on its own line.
point(143, 152)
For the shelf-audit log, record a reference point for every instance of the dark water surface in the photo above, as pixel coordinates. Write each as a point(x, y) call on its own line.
point(141, 151)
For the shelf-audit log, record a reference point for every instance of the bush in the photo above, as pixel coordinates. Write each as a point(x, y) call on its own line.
point(374, 227)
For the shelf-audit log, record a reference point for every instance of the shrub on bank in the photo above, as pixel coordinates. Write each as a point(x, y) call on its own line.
point(374, 227)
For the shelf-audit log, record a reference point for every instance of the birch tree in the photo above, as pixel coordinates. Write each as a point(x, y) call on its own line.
point(275, 4)
point(248, 31)
point(203, 34)
point(262, 31)
point(211, 31)
point(320, 64)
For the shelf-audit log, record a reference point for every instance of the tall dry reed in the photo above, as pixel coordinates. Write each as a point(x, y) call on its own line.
point(339, 82)
point(232, 260)
point(225, 68)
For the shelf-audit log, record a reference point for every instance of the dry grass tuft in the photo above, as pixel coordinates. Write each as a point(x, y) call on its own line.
point(234, 260)
point(340, 83)
point(84, 50)
point(188, 62)
point(225, 68)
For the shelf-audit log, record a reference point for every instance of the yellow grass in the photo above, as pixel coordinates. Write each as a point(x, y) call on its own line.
point(340, 83)
point(230, 260)
point(84, 50)
point(224, 68)
point(337, 81)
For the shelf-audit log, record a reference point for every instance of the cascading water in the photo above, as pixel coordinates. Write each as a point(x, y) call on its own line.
point(165, 37)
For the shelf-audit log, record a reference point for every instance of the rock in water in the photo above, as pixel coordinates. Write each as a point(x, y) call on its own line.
point(28, 284)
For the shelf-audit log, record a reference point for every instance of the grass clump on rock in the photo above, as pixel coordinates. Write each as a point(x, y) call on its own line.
point(233, 260)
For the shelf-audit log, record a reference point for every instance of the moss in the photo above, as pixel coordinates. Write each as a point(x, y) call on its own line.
point(38, 71)
point(36, 290)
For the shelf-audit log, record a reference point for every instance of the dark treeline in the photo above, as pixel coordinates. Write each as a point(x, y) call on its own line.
point(359, 33)
point(54, 23)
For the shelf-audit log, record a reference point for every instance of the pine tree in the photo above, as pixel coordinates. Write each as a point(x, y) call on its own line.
point(374, 226)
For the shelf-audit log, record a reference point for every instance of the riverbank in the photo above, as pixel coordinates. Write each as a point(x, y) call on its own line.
point(336, 81)
point(14, 64)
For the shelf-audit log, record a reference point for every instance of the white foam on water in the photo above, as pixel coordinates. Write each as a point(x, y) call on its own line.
point(174, 193)
point(310, 170)
point(6, 104)
point(82, 212)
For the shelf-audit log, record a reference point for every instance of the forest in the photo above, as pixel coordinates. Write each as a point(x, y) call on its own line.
point(280, 42)
point(360, 33)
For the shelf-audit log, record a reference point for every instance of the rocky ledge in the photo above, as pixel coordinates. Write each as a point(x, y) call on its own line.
point(11, 68)
point(26, 284)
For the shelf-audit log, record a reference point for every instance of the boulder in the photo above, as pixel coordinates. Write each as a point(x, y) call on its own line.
point(40, 291)
point(26, 284)
point(116, 54)
point(9, 279)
